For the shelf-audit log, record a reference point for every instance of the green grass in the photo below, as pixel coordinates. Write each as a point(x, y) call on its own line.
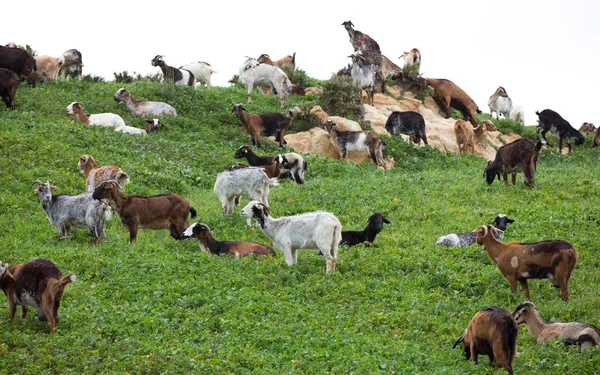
point(163, 306)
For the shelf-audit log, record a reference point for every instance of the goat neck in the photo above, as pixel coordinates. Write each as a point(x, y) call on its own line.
point(87, 168)
point(492, 245)
point(81, 116)
point(535, 324)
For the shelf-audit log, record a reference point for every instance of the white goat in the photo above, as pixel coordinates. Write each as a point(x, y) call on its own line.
point(143, 108)
point(500, 103)
point(363, 76)
point(314, 230)
point(252, 73)
point(201, 70)
point(101, 119)
point(412, 63)
point(252, 181)
point(517, 114)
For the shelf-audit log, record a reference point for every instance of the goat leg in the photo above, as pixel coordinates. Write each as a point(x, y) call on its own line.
point(525, 287)
point(544, 138)
point(560, 142)
point(24, 310)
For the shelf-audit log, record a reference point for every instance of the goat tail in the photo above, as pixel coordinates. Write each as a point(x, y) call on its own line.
point(460, 339)
point(60, 284)
point(193, 212)
point(337, 238)
point(293, 62)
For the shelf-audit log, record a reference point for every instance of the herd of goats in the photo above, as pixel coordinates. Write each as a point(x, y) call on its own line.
point(492, 331)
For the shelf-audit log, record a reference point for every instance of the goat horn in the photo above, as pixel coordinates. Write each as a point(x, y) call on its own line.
point(485, 230)
point(37, 182)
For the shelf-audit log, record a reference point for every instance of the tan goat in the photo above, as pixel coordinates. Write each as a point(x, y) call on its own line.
point(96, 175)
point(467, 135)
point(286, 60)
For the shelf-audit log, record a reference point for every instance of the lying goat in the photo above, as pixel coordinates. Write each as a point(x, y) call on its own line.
point(201, 233)
point(374, 226)
point(469, 238)
point(142, 107)
point(584, 335)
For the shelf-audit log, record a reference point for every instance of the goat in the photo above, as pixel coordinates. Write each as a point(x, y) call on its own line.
point(95, 177)
point(38, 283)
point(363, 76)
point(500, 103)
point(447, 95)
point(47, 66)
point(582, 334)
point(374, 226)
point(412, 64)
point(292, 165)
point(382, 66)
point(66, 211)
point(360, 41)
point(409, 123)
point(517, 114)
point(315, 230)
point(493, 332)
point(153, 125)
point(201, 70)
point(596, 140)
point(251, 181)
point(297, 90)
point(587, 128)
point(519, 261)
point(552, 121)
point(286, 60)
point(20, 62)
point(466, 135)
point(469, 238)
point(9, 83)
point(101, 119)
point(367, 142)
point(271, 123)
point(71, 63)
point(252, 73)
point(181, 77)
point(162, 211)
point(201, 233)
point(142, 107)
point(518, 156)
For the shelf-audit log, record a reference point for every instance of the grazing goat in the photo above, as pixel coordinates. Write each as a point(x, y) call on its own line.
point(38, 283)
point(363, 76)
point(181, 77)
point(519, 261)
point(409, 123)
point(360, 41)
point(47, 66)
point(596, 141)
point(587, 128)
point(412, 64)
point(582, 334)
point(492, 332)
point(315, 230)
point(71, 63)
point(95, 177)
point(201, 70)
point(552, 121)
point(382, 66)
point(292, 165)
point(517, 114)
point(254, 74)
point(251, 181)
point(66, 211)
point(9, 83)
point(500, 103)
point(374, 226)
point(469, 238)
point(447, 95)
point(162, 211)
point(518, 156)
point(201, 233)
point(101, 119)
point(271, 123)
point(364, 141)
point(286, 60)
point(466, 135)
point(153, 125)
point(142, 107)
point(297, 90)
point(20, 62)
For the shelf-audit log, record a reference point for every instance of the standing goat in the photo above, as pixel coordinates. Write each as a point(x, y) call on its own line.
point(142, 107)
point(257, 124)
point(315, 230)
point(181, 77)
point(286, 60)
point(596, 140)
point(467, 136)
point(360, 41)
point(363, 76)
point(374, 226)
point(254, 74)
point(518, 156)
point(66, 211)
point(412, 64)
point(292, 164)
point(582, 334)
point(552, 121)
point(447, 95)
point(517, 114)
point(201, 233)
point(97, 175)
point(492, 332)
point(9, 83)
point(364, 141)
point(201, 70)
point(162, 211)
point(587, 128)
point(519, 261)
point(409, 123)
point(38, 283)
point(71, 63)
point(251, 181)
point(382, 66)
point(500, 103)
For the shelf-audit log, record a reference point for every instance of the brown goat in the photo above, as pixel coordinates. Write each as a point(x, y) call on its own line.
point(596, 141)
point(272, 123)
point(518, 156)
point(467, 135)
point(492, 332)
point(201, 233)
point(37, 283)
point(286, 60)
point(447, 95)
point(96, 175)
point(360, 41)
point(162, 211)
point(8, 87)
point(153, 125)
point(519, 261)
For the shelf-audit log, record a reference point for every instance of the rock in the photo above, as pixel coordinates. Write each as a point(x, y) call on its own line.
point(345, 124)
point(313, 90)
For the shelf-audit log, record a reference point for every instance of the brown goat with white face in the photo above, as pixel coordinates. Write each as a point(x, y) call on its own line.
point(37, 283)
point(201, 233)
point(492, 332)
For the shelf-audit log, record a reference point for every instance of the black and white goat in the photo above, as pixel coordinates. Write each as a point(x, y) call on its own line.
point(292, 165)
point(314, 230)
point(364, 141)
point(251, 181)
point(181, 77)
point(374, 226)
point(552, 121)
point(469, 238)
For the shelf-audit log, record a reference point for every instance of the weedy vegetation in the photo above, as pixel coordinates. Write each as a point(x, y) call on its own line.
point(163, 306)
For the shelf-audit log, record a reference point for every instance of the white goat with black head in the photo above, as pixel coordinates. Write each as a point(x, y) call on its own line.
point(469, 238)
point(314, 230)
point(254, 74)
point(500, 103)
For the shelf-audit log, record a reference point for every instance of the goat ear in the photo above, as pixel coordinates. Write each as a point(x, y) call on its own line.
point(510, 221)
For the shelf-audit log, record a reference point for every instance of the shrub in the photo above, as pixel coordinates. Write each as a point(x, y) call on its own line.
point(92, 78)
point(341, 97)
point(123, 77)
point(304, 119)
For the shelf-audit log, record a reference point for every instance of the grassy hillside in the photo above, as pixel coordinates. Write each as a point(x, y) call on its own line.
point(163, 306)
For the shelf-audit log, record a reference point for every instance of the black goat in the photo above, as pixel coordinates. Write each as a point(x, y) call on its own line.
point(552, 121)
point(374, 226)
point(409, 123)
point(20, 62)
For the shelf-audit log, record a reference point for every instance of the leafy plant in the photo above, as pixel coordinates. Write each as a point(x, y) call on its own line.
point(341, 97)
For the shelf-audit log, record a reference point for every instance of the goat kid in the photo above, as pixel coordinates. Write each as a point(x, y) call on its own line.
point(201, 233)
point(374, 226)
point(252, 181)
point(9, 83)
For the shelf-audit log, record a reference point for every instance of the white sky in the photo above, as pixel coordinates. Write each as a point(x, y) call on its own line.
point(544, 52)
